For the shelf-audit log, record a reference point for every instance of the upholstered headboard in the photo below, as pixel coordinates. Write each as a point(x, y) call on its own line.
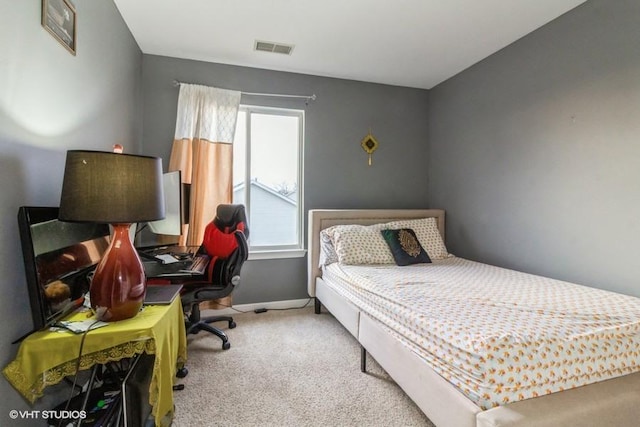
point(319, 219)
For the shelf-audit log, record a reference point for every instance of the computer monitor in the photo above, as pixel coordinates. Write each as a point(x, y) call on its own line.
point(58, 258)
point(167, 231)
point(172, 222)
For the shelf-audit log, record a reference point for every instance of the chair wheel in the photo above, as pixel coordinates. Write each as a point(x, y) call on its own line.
point(226, 345)
point(232, 324)
point(182, 372)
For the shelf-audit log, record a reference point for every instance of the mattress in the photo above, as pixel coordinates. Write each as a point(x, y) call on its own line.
point(498, 335)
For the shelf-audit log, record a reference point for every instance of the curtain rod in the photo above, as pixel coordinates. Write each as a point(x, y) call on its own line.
point(177, 83)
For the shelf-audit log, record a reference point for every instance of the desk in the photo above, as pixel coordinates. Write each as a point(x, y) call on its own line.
point(45, 358)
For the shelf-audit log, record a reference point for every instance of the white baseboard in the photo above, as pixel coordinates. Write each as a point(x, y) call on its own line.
point(273, 305)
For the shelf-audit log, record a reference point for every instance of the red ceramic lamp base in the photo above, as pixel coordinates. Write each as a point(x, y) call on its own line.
point(118, 286)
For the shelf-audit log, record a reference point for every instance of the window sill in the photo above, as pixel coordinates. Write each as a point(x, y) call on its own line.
point(287, 253)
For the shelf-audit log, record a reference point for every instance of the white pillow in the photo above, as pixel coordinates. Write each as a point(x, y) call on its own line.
point(359, 244)
point(328, 253)
point(426, 230)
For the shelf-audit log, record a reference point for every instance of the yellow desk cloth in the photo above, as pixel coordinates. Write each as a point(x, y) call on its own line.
point(46, 357)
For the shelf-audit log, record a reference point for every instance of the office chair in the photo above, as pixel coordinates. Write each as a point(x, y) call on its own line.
point(225, 241)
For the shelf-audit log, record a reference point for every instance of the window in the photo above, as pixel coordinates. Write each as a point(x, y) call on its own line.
point(267, 176)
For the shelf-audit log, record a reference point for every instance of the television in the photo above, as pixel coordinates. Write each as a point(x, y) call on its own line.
point(59, 258)
point(176, 207)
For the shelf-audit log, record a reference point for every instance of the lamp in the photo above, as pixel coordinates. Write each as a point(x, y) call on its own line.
point(116, 189)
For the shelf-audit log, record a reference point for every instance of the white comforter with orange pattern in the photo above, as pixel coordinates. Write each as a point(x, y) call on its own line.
point(498, 335)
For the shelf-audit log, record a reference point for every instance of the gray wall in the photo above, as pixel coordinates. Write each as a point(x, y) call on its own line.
point(535, 151)
point(336, 174)
point(51, 101)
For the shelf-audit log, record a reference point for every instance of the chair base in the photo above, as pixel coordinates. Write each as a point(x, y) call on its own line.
point(195, 324)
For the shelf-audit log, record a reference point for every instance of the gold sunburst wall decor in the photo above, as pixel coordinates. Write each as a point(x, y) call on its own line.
point(369, 144)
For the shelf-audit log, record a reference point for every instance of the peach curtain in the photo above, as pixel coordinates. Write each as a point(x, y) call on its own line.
point(203, 151)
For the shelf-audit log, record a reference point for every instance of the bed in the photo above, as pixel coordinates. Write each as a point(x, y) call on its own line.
point(431, 380)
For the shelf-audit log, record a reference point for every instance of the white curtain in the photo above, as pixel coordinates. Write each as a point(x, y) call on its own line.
point(203, 151)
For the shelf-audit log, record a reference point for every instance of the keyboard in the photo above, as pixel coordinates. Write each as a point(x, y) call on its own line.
point(198, 265)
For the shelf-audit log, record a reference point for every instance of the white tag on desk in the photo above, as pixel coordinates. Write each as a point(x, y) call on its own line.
point(167, 258)
point(82, 326)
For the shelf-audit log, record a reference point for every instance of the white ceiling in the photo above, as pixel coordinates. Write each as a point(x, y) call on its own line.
point(414, 43)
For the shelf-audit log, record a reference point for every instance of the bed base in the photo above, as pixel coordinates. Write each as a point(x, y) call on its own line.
point(610, 403)
point(426, 388)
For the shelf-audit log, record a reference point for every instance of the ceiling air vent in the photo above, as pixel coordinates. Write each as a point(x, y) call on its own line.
point(273, 47)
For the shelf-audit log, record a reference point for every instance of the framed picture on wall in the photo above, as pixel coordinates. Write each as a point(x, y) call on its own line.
point(59, 18)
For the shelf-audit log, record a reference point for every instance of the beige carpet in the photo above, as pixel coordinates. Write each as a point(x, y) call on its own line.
point(287, 368)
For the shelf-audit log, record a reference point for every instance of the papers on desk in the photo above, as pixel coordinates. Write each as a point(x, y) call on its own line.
point(167, 258)
point(79, 327)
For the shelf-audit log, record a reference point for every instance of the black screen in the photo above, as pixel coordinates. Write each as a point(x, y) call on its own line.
point(58, 258)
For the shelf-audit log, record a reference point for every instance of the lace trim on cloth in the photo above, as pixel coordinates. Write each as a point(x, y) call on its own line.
point(32, 392)
point(34, 369)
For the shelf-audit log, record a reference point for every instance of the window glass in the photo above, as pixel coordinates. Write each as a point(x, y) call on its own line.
point(267, 153)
